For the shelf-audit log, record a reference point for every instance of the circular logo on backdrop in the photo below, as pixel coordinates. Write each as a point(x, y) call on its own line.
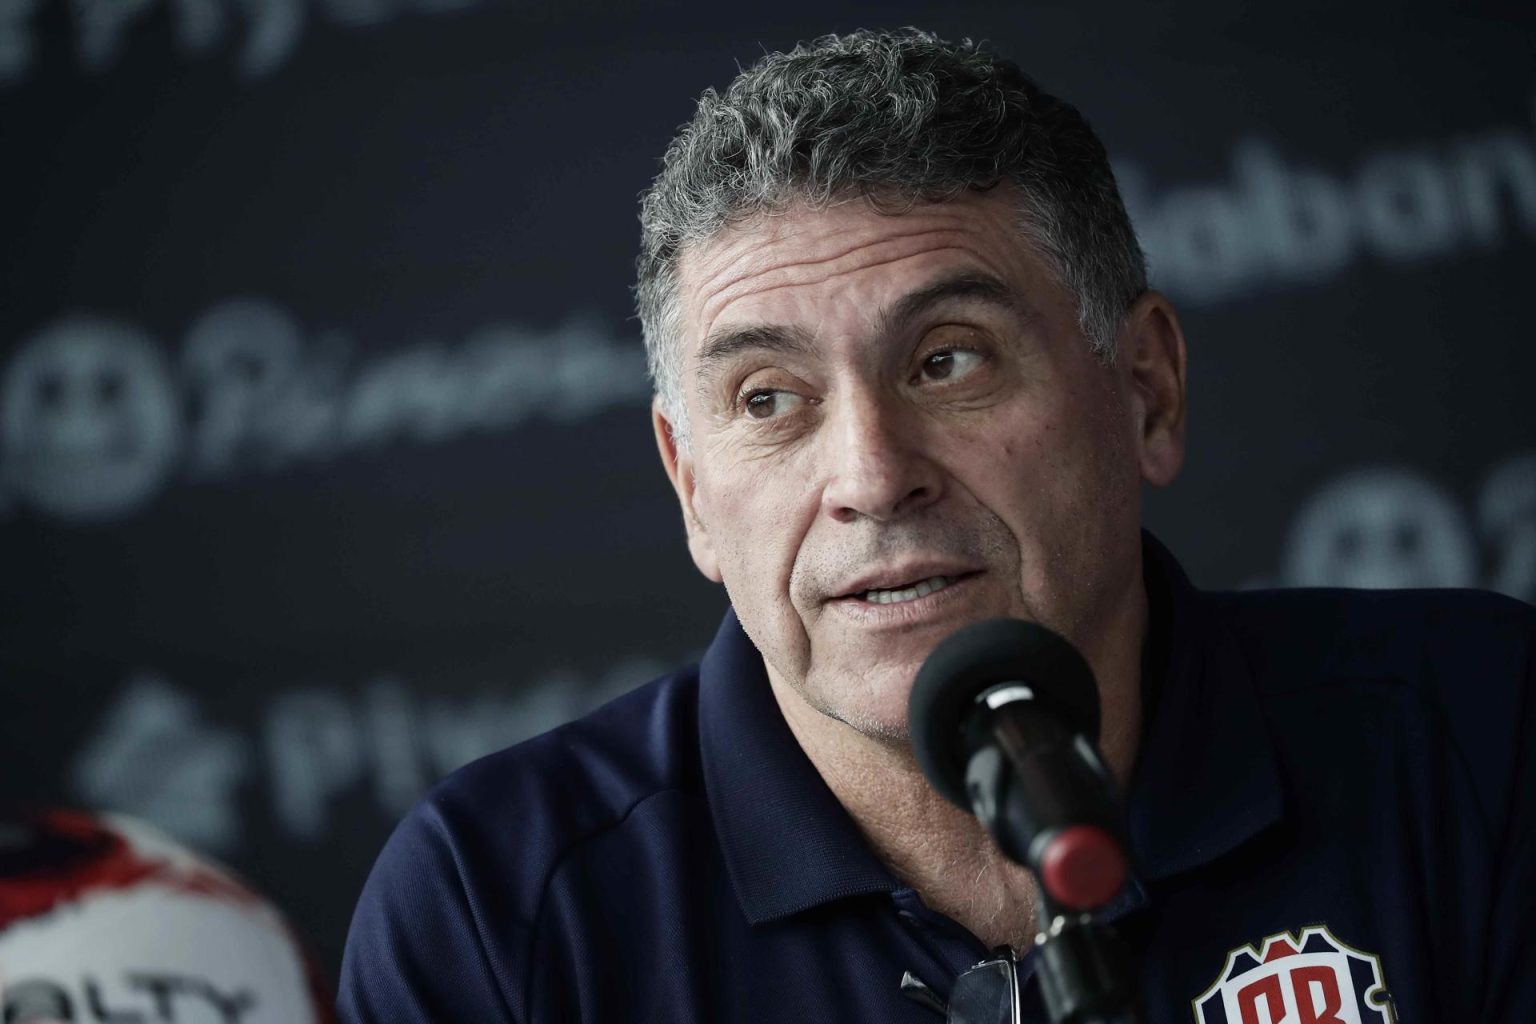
point(90, 422)
point(1380, 528)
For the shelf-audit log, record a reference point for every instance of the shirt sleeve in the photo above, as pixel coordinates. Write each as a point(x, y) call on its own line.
point(416, 952)
point(1510, 991)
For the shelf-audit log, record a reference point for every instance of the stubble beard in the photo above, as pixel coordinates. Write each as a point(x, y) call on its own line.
point(983, 541)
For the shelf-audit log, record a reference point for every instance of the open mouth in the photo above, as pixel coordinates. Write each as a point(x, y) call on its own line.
point(910, 591)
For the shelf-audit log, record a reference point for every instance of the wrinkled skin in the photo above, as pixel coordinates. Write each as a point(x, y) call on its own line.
point(876, 399)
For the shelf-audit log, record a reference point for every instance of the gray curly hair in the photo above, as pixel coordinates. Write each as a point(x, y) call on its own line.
point(897, 117)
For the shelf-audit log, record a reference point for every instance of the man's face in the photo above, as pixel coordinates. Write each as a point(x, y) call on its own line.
point(898, 428)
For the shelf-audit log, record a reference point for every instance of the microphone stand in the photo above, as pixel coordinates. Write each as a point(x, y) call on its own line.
point(1086, 977)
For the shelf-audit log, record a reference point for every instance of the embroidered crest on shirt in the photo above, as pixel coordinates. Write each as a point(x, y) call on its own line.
point(1309, 978)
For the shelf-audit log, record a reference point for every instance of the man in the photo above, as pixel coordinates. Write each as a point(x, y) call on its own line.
point(909, 376)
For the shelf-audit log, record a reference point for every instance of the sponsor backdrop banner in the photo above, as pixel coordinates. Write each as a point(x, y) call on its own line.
point(324, 455)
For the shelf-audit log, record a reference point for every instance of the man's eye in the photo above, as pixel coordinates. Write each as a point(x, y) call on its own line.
point(949, 364)
point(766, 404)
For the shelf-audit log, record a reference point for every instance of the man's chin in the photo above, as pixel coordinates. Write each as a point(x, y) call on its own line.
point(887, 726)
point(876, 710)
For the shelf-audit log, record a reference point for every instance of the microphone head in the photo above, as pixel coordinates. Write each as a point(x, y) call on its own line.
point(975, 659)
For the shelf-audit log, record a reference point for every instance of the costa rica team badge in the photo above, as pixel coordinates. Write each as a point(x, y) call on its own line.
point(1309, 978)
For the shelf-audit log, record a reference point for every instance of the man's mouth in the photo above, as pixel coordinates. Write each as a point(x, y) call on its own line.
point(922, 588)
point(909, 591)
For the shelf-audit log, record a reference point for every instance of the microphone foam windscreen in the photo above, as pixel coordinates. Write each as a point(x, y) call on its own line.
point(972, 661)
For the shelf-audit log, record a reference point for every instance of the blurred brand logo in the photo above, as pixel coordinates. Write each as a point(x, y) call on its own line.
point(96, 419)
point(267, 31)
point(155, 758)
point(154, 755)
point(1382, 527)
point(1279, 221)
point(140, 997)
point(90, 421)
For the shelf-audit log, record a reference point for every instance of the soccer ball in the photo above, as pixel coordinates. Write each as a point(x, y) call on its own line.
point(104, 919)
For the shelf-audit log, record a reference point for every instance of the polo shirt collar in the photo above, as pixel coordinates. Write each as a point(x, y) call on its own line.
point(1206, 778)
point(789, 845)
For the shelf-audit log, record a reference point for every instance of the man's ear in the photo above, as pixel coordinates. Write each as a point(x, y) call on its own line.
point(1152, 346)
point(679, 465)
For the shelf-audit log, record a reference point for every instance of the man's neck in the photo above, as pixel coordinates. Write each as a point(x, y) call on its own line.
point(939, 850)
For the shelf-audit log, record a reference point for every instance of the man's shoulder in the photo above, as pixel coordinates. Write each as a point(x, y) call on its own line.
point(1441, 676)
point(587, 774)
point(508, 819)
point(459, 888)
point(1438, 638)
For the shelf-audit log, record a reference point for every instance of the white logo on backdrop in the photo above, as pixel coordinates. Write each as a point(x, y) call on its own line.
point(1280, 221)
point(89, 420)
point(155, 757)
point(266, 32)
point(95, 419)
point(1382, 527)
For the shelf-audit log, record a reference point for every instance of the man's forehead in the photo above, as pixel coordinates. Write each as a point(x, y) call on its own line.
point(800, 223)
point(803, 246)
point(756, 241)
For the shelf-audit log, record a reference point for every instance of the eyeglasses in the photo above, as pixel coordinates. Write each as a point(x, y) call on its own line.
point(1082, 975)
point(985, 993)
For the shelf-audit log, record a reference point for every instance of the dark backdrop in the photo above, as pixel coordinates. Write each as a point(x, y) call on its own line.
point(324, 455)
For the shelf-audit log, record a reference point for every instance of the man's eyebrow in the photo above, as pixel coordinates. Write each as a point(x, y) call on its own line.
point(970, 284)
point(974, 285)
point(723, 344)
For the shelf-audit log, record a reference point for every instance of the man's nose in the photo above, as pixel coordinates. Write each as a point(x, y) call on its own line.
point(879, 466)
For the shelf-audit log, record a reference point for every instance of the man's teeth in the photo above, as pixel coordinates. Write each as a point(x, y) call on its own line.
point(912, 593)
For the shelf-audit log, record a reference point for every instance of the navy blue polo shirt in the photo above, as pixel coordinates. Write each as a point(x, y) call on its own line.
point(1332, 807)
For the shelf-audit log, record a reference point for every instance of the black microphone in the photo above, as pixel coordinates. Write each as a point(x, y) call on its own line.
point(1004, 720)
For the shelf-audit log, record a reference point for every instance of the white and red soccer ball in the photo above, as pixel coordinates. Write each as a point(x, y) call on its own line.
point(103, 919)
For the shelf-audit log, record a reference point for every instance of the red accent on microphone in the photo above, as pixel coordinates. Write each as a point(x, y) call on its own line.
point(1083, 868)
